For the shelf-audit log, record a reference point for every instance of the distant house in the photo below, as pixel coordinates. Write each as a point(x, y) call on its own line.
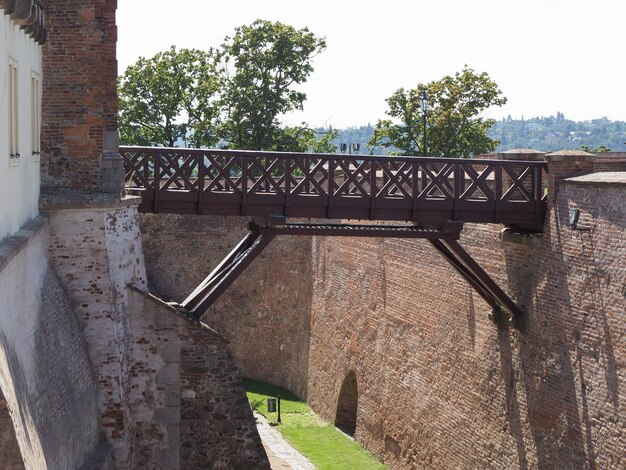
point(22, 29)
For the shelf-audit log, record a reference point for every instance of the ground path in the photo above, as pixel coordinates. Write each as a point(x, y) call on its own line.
point(281, 455)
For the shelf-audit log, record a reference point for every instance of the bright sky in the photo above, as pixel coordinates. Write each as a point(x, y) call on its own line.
point(546, 55)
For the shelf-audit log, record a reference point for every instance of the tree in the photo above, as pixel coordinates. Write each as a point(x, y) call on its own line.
point(261, 64)
point(304, 139)
point(455, 128)
point(170, 97)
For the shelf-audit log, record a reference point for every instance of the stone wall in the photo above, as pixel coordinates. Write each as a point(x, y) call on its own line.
point(47, 381)
point(265, 313)
point(95, 248)
point(192, 411)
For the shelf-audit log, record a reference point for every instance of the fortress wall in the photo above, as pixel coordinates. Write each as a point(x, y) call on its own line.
point(439, 385)
point(95, 248)
point(191, 409)
point(264, 314)
point(46, 379)
point(429, 373)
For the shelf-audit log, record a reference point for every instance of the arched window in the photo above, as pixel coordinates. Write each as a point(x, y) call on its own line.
point(345, 419)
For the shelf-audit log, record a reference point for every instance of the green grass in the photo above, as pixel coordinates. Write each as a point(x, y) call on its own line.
point(324, 445)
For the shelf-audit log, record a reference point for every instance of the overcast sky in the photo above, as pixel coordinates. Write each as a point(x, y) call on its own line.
point(546, 55)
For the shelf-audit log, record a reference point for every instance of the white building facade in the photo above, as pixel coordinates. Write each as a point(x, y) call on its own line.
point(22, 31)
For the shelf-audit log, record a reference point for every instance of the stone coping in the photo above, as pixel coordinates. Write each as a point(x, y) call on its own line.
point(603, 178)
point(179, 312)
point(13, 244)
point(79, 200)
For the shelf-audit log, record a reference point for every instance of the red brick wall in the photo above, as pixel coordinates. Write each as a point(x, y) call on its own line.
point(439, 385)
point(265, 313)
point(79, 91)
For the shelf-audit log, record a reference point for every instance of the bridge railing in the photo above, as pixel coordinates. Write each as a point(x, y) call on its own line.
point(419, 189)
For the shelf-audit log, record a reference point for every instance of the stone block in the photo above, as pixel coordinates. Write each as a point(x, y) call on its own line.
point(167, 415)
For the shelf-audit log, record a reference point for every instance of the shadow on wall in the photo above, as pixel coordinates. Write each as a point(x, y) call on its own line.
point(265, 313)
point(563, 330)
point(347, 404)
point(10, 454)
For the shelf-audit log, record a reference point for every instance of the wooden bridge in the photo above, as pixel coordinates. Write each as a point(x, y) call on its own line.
point(431, 198)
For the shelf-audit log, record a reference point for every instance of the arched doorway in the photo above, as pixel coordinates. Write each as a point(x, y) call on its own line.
point(347, 405)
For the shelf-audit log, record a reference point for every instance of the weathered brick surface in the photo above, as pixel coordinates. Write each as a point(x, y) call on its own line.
point(79, 95)
point(192, 410)
point(96, 249)
point(47, 381)
point(264, 314)
point(439, 385)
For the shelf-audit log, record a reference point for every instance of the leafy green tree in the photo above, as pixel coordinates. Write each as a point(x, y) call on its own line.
point(600, 149)
point(326, 143)
point(304, 139)
point(170, 97)
point(455, 128)
point(262, 64)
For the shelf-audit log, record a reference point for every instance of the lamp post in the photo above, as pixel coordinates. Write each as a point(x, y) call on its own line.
point(424, 104)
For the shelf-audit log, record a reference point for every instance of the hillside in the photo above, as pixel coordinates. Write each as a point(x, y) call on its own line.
point(541, 133)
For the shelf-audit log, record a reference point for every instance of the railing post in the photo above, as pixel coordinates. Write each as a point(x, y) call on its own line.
point(157, 182)
point(373, 189)
point(200, 182)
point(244, 184)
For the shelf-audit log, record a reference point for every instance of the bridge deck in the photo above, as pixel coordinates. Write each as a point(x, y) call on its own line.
point(364, 187)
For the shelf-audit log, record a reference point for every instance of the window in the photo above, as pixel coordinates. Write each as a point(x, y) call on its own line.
point(14, 149)
point(35, 116)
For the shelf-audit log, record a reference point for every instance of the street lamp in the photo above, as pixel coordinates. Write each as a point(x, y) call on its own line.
point(424, 104)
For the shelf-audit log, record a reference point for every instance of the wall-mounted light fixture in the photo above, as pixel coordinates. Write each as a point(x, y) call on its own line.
point(573, 218)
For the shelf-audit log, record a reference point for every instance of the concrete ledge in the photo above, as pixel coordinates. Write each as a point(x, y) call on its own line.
point(178, 312)
point(13, 244)
point(79, 200)
point(521, 237)
point(607, 178)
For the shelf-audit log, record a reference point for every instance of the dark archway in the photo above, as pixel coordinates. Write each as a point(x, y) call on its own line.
point(347, 404)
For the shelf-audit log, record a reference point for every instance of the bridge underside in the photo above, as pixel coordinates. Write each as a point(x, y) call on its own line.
point(436, 196)
point(444, 240)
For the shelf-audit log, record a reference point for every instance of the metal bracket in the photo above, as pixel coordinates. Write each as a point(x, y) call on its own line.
point(480, 281)
point(226, 272)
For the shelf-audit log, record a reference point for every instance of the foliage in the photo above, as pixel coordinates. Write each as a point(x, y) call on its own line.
point(261, 64)
point(600, 149)
point(169, 97)
point(320, 442)
point(233, 95)
point(455, 128)
point(557, 132)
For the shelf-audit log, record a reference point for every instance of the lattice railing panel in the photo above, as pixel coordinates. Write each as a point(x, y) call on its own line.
point(342, 186)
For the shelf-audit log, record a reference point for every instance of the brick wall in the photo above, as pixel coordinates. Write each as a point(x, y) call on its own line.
point(192, 411)
point(439, 385)
point(79, 95)
point(95, 248)
point(264, 314)
point(46, 379)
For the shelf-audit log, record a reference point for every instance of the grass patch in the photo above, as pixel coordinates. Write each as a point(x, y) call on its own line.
point(322, 443)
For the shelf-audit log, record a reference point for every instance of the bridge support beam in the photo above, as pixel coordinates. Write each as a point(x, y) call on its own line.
point(480, 281)
point(226, 272)
point(444, 239)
